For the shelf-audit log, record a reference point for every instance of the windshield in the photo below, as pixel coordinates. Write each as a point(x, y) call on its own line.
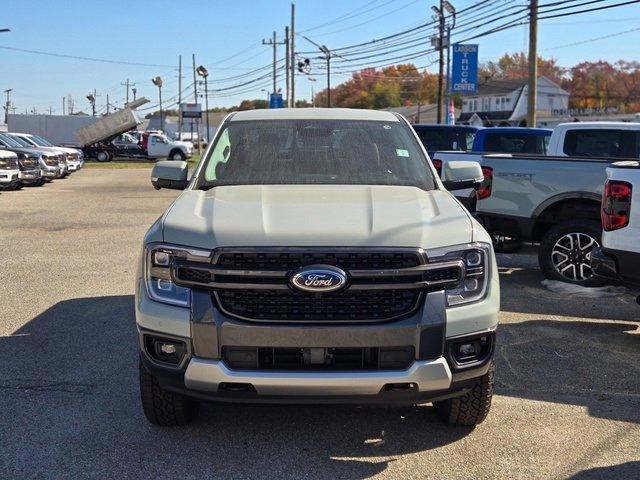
point(21, 141)
point(341, 152)
point(9, 141)
point(41, 141)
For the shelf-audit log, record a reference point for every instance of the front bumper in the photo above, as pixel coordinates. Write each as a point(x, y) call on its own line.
point(9, 177)
point(50, 173)
point(30, 176)
point(616, 265)
point(74, 165)
point(203, 373)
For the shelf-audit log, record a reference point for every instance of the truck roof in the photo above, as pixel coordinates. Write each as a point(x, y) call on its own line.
point(444, 126)
point(313, 114)
point(530, 130)
point(603, 125)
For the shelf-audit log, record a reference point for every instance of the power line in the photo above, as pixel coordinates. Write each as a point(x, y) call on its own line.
point(91, 59)
point(603, 37)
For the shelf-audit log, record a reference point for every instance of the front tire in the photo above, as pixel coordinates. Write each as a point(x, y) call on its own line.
point(103, 156)
point(164, 408)
point(565, 252)
point(471, 408)
point(177, 155)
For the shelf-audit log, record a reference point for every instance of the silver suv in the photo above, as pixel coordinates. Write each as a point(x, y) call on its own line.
point(316, 257)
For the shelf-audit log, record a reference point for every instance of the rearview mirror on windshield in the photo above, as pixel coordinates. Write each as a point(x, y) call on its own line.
point(461, 174)
point(170, 174)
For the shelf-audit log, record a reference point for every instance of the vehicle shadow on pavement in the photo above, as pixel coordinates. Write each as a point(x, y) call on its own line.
point(70, 402)
point(614, 472)
point(69, 391)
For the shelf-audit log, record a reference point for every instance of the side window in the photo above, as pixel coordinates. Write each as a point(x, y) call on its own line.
point(598, 143)
point(219, 157)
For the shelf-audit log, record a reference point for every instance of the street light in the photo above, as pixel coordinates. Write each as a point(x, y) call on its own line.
point(157, 81)
point(201, 71)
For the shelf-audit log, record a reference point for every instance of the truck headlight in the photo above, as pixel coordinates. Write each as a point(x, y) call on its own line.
point(476, 257)
point(158, 262)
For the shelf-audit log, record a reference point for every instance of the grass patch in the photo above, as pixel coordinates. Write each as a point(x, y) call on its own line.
point(121, 163)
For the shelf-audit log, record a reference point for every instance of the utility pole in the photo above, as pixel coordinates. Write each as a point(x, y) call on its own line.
point(440, 45)
point(127, 84)
point(179, 97)
point(7, 105)
point(287, 62)
point(204, 73)
point(50, 110)
point(292, 51)
point(195, 99)
point(107, 104)
point(449, 26)
point(273, 42)
point(327, 56)
point(532, 87)
point(63, 105)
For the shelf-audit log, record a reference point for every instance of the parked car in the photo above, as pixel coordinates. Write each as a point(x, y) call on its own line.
point(28, 161)
point(74, 156)
point(54, 156)
point(619, 256)
point(315, 256)
point(69, 157)
point(9, 171)
point(552, 199)
point(437, 137)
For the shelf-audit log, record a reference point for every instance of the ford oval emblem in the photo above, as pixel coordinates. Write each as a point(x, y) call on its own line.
point(319, 279)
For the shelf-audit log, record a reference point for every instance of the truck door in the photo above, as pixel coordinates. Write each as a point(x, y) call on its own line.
point(158, 146)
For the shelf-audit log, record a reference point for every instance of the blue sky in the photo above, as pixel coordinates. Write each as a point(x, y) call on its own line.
point(226, 37)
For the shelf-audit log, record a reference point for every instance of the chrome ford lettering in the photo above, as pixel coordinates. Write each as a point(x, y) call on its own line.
point(319, 278)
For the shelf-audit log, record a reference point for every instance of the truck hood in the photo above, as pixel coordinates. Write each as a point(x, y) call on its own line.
point(310, 215)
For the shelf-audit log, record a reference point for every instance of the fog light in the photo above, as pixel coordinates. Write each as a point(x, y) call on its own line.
point(468, 349)
point(165, 350)
point(168, 348)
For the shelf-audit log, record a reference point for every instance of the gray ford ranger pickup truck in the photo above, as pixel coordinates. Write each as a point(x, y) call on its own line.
point(314, 256)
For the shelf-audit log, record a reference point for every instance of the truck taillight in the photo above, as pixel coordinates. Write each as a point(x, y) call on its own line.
point(616, 205)
point(438, 165)
point(484, 191)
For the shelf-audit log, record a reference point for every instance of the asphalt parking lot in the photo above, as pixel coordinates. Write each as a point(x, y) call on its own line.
point(568, 371)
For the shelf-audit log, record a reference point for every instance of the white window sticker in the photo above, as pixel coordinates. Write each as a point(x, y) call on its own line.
point(401, 152)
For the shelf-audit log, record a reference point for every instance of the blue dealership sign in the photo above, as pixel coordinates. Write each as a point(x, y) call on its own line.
point(464, 69)
point(275, 100)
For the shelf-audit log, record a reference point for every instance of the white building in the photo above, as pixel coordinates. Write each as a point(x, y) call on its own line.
point(504, 102)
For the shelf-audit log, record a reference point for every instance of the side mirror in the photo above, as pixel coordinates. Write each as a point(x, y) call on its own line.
point(461, 174)
point(170, 174)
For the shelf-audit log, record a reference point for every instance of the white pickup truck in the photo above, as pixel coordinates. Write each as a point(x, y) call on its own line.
point(552, 199)
point(619, 256)
point(9, 171)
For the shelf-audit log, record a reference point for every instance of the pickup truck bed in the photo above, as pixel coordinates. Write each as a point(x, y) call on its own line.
point(551, 200)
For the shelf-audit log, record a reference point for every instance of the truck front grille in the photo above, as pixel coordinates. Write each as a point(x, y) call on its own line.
point(292, 259)
point(253, 284)
point(289, 305)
